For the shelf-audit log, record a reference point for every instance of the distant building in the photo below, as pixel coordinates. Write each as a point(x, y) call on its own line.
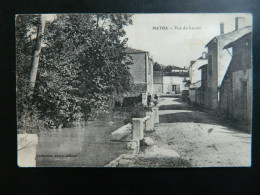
point(142, 72)
point(195, 78)
point(236, 87)
point(179, 69)
point(219, 59)
point(194, 72)
point(174, 83)
point(158, 82)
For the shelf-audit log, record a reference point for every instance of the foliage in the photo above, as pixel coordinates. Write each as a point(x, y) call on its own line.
point(27, 115)
point(138, 111)
point(157, 66)
point(82, 67)
point(30, 122)
point(187, 83)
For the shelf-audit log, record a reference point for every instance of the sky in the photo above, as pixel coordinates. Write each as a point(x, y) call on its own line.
point(178, 45)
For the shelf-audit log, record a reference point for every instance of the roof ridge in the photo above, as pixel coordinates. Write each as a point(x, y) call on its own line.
point(239, 38)
point(227, 34)
point(233, 31)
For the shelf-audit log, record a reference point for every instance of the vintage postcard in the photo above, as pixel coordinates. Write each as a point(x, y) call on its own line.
point(134, 90)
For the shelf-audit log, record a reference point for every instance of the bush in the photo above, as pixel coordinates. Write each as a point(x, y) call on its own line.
point(129, 101)
point(138, 111)
point(30, 123)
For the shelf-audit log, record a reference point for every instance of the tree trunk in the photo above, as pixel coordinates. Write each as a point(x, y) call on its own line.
point(37, 52)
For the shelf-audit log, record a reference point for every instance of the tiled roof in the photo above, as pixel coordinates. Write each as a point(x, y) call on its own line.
point(177, 68)
point(177, 74)
point(231, 36)
point(231, 44)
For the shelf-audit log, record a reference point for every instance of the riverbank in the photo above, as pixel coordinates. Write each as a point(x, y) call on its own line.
point(85, 146)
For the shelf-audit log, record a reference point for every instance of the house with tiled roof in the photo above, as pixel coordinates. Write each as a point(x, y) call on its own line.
point(236, 87)
point(178, 69)
point(195, 78)
point(141, 70)
point(194, 72)
point(218, 61)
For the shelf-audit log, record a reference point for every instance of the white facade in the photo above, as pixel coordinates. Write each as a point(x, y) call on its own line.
point(173, 84)
point(195, 74)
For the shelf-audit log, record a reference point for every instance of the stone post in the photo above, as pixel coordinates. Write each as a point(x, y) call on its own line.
point(144, 99)
point(138, 129)
point(149, 122)
point(155, 115)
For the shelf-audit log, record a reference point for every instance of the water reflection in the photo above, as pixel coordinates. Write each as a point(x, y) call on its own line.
point(82, 146)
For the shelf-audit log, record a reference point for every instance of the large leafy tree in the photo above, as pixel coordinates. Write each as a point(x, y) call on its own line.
point(26, 31)
point(82, 66)
point(157, 66)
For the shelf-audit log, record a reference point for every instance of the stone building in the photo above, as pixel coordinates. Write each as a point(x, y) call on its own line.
point(194, 72)
point(202, 92)
point(236, 87)
point(158, 82)
point(174, 83)
point(179, 69)
point(141, 70)
point(219, 59)
point(195, 78)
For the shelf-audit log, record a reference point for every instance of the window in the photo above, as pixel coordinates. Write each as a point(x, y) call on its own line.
point(176, 88)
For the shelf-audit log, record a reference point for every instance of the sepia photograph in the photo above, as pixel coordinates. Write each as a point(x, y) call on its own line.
point(134, 90)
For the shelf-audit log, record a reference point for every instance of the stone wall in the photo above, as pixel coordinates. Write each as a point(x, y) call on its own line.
point(192, 95)
point(138, 68)
point(157, 77)
point(236, 88)
point(142, 73)
point(236, 95)
point(212, 79)
point(158, 89)
point(137, 89)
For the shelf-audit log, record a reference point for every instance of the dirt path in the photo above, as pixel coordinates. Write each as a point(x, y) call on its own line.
point(200, 138)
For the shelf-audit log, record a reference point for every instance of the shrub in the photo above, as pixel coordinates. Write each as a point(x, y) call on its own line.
point(30, 123)
point(137, 111)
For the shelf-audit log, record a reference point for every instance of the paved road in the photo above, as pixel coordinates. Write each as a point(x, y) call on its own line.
point(201, 138)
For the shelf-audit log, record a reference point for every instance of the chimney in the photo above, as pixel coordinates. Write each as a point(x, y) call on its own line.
point(204, 55)
point(239, 22)
point(222, 28)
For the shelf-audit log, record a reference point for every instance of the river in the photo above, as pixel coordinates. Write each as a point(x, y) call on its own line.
point(87, 146)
